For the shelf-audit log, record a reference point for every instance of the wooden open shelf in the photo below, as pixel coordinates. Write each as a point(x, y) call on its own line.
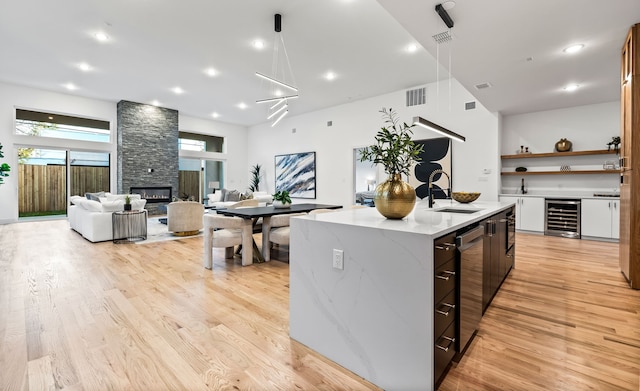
point(562, 172)
point(559, 154)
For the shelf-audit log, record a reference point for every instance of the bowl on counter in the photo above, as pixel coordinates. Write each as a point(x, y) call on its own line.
point(464, 197)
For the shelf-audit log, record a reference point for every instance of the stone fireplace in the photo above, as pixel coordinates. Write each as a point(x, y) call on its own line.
point(148, 152)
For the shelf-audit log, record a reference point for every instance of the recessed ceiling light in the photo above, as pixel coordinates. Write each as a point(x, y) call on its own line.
point(101, 37)
point(242, 105)
point(83, 66)
point(573, 48)
point(50, 117)
point(177, 90)
point(447, 5)
point(70, 86)
point(155, 102)
point(258, 44)
point(330, 76)
point(571, 87)
point(210, 72)
point(412, 48)
point(278, 93)
point(215, 115)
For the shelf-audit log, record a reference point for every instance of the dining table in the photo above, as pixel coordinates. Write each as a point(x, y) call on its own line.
point(265, 212)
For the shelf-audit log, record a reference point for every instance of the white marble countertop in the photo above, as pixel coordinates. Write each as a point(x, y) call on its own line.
point(565, 195)
point(422, 220)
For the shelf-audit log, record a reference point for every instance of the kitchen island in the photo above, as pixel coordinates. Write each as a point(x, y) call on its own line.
point(375, 316)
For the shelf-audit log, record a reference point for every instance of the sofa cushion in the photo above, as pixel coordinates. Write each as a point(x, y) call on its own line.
point(112, 206)
point(223, 194)
point(138, 204)
point(233, 195)
point(92, 206)
point(76, 199)
point(215, 197)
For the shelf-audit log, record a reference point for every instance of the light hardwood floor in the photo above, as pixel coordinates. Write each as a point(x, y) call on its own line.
point(81, 316)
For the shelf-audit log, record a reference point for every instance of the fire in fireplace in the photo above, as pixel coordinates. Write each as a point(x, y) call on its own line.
point(153, 193)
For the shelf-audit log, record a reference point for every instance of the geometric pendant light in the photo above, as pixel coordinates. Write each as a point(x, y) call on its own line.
point(280, 83)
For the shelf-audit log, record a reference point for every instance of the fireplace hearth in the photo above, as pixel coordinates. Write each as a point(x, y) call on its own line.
point(153, 193)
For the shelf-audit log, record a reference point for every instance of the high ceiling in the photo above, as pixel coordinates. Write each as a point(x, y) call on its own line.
point(156, 45)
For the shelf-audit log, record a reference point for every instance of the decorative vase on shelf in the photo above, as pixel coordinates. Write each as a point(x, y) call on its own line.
point(563, 145)
point(395, 198)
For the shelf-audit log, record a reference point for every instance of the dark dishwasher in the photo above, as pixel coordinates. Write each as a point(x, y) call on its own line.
point(470, 246)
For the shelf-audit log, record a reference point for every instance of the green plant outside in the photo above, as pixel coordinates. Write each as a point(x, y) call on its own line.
point(4, 168)
point(43, 213)
point(394, 148)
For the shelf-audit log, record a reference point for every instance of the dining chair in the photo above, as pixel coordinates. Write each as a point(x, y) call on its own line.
point(226, 232)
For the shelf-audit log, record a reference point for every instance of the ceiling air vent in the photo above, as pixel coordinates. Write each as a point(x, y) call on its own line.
point(470, 105)
point(417, 96)
point(482, 86)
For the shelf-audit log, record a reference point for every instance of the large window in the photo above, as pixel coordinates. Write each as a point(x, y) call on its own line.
point(35, 123)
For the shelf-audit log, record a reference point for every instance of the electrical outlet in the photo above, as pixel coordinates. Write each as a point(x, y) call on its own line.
point(338, 259)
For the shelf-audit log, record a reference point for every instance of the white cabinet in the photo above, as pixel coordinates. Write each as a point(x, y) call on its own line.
point(529, 212)
point(600, 218)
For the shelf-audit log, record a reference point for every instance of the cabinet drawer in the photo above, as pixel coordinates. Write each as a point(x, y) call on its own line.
point(444, 314)
point(444, 249)
point(443, 351)
point(444, 280)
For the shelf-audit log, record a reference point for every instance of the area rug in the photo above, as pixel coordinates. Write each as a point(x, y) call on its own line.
point(158, 232)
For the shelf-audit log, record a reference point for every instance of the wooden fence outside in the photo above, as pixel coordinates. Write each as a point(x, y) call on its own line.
point(44, 188)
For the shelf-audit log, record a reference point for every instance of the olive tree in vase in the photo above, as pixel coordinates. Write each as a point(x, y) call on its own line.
point(394, 149)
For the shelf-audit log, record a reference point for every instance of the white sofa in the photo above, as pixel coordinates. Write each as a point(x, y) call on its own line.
point(216, 199)
point(92, 219)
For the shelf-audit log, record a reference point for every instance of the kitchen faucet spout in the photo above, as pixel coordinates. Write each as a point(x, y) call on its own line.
point(431, 195)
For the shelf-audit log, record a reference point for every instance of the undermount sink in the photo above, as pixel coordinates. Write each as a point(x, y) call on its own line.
point(457, 210)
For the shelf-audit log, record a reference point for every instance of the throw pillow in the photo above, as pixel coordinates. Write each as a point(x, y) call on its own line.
point(75, 200)
point(223, 194)
point(94, 196)
point(215, 197)
point(233, 195)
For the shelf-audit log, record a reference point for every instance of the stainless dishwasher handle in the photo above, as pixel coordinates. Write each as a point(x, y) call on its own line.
point(446, 312)
point(445, 275)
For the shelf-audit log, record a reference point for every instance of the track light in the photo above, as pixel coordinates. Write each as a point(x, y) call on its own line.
point(437, 128)
point(444, 15)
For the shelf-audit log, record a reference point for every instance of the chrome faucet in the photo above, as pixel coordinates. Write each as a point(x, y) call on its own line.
point(431, 185)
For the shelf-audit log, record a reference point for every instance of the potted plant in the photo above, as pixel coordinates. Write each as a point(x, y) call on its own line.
point(395, 150)
point(281, 199)
point(4, 167)
point(255, 178)
point(127, 202)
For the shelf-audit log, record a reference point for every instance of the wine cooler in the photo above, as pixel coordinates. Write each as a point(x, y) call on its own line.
point(562, 218)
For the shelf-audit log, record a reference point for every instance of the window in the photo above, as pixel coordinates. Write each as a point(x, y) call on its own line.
point(200, 142)
point(35, 123)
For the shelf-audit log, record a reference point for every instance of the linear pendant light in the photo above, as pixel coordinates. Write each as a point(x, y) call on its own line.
point(278, 82)
point(437, 128)
point(276, 98)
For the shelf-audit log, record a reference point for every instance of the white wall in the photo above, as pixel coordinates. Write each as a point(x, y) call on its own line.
point(13, 96)
point(588, 127)
point(355, 125)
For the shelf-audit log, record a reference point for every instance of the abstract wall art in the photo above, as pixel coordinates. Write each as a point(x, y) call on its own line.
point(296, 173)
point(436, 154)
